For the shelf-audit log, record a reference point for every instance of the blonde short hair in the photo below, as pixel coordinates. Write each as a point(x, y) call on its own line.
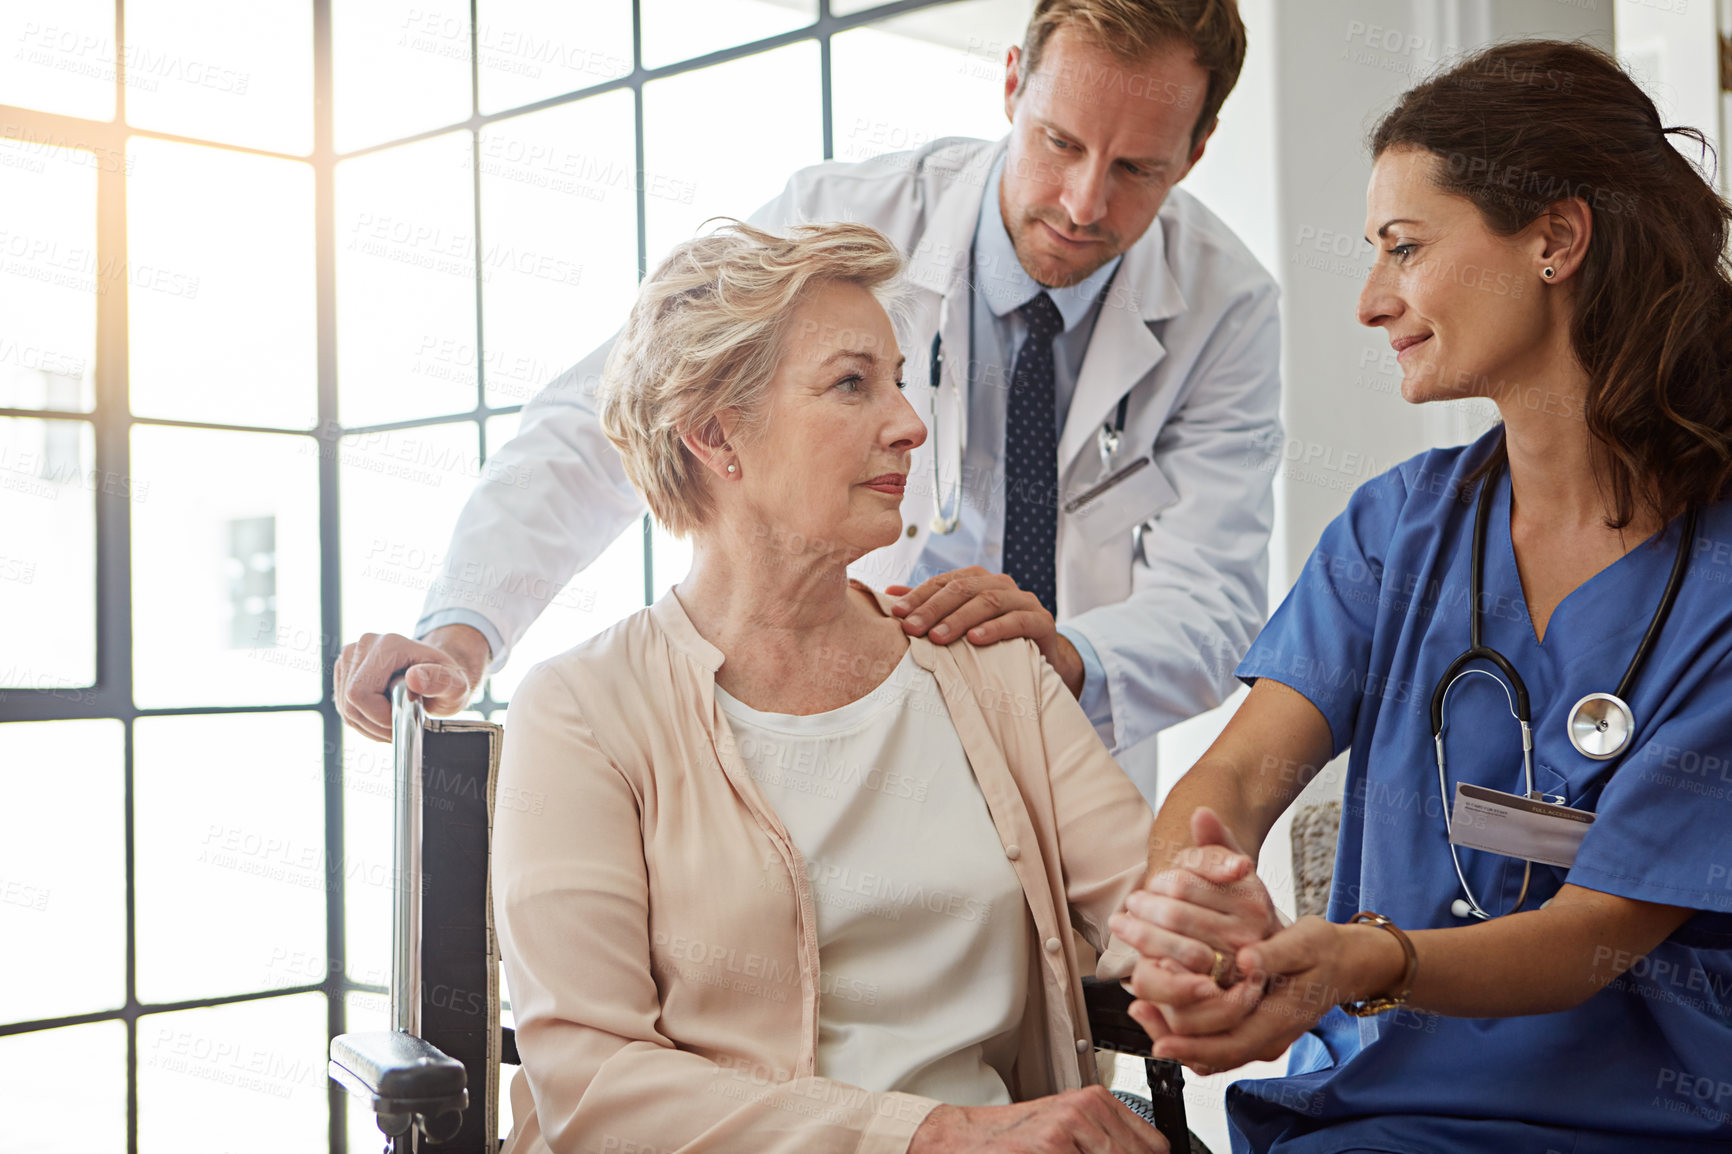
point(705, 335)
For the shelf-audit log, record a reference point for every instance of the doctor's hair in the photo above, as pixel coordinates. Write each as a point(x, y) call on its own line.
point(1518, 127)
point(1131, 29)
point(705, 336)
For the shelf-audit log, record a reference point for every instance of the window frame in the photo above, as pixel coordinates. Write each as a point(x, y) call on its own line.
point(111, 694)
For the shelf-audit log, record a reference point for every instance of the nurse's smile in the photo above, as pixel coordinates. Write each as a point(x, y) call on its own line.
point(1439, 271)
point(1403, 344)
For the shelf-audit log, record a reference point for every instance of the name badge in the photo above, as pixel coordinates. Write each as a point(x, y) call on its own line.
point(1515, 826)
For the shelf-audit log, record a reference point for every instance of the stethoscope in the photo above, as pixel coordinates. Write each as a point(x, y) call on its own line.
point(1600, 724)
point(947, 506)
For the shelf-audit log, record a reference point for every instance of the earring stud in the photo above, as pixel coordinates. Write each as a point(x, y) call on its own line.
point(731, 468)
point(1548, 272)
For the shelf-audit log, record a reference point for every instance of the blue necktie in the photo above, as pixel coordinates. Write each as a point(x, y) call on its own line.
point(1031, 459)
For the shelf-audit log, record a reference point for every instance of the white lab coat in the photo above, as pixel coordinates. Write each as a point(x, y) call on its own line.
point(1189, 326)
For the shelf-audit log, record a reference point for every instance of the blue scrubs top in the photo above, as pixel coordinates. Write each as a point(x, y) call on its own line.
point(1379, 612)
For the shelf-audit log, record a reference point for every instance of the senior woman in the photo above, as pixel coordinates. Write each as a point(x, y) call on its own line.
point(1529, 949)
point(797, 881)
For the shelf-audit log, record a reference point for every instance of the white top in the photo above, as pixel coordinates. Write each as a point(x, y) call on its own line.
point(923, 931)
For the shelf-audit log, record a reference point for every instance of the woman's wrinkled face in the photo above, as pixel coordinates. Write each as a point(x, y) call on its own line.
point(1462, 306)
point(826, 471)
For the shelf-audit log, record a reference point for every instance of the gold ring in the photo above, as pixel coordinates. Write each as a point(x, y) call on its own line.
point(1221, 973)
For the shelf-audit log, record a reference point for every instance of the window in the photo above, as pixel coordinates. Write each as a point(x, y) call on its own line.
point(274, 279)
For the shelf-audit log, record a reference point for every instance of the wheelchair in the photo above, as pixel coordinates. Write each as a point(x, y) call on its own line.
point(447, 1043)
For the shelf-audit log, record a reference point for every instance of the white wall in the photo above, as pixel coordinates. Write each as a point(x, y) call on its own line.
point(1672, 49)
point(1234, 176)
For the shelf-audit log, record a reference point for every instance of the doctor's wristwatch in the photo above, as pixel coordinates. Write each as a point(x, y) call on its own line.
point(1369, 1006)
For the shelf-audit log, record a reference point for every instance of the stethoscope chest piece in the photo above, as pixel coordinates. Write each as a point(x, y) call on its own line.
point(1601, 725)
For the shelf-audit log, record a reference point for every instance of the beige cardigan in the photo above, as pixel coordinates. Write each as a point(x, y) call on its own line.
point(657, 925)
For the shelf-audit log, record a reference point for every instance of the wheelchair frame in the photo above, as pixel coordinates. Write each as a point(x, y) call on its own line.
point(417, 1077)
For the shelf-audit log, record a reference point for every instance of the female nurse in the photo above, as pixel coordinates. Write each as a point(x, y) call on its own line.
point(1541, 243)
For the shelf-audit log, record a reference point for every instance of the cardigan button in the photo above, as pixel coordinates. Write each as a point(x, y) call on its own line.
point(1082, 1045)
point(1053, 945)
point(1013, 851)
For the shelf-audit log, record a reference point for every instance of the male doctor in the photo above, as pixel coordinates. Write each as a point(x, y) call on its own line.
point(1106, 384)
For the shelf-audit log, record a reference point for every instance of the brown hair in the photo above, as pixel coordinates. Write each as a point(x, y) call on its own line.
point(1130, 29)
point(1520, 126)
point(706, 334)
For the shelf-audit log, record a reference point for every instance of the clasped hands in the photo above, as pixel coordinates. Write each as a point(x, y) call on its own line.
point(1210, 913)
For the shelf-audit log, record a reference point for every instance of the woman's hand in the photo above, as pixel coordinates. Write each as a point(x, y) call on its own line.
point(985, 607)
point(1085, 1121)
point(1209, 900)
point(1210, 897)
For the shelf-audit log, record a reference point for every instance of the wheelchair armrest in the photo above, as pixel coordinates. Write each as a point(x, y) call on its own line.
point(399, 1072)
point(1110, 1020)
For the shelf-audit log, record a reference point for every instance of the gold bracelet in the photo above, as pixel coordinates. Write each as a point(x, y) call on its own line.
point(1369, 1006)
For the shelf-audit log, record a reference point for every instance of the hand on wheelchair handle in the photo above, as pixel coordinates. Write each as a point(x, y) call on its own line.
point(1085, 1121)
point(443, 671)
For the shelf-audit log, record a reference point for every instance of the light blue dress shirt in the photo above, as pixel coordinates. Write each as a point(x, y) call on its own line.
point(996, 331)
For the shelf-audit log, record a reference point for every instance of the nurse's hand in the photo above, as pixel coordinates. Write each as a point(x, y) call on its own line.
point(985, 607)
point(1309, 967)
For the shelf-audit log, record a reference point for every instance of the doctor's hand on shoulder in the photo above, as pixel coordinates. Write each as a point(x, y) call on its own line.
point(1085, 1121)
point(985, 607)
point(443, 671)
